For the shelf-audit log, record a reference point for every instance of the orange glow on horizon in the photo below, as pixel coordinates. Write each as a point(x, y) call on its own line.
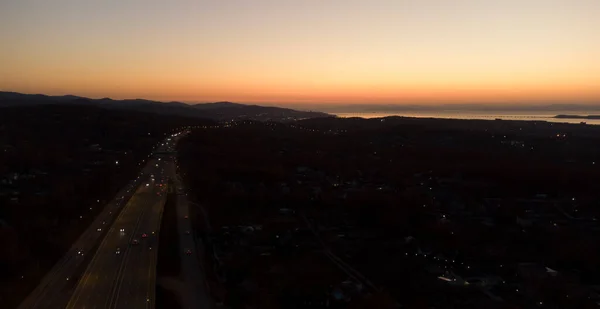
point(351, 52)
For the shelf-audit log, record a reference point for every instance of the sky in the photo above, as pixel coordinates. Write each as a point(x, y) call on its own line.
point(304, 51)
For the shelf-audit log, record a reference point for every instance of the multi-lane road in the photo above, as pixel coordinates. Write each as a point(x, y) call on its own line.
point(54, 289)
point(122, 272)
point(196, 289)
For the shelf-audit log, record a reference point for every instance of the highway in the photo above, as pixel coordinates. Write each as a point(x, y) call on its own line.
point(54, 289)
point(127, 279)
point(122, 274)
point(196, 289)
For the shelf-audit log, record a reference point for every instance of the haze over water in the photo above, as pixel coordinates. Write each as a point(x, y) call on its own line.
point(478, 115)
point(308, 52)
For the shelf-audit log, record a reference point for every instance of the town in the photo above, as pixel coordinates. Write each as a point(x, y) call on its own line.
point(324, 212)
point(300, 154)
point(398, 213)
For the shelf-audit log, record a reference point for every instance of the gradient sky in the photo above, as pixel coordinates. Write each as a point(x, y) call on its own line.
point(304, 51)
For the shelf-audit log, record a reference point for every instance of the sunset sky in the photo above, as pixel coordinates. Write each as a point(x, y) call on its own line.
point(304, 51)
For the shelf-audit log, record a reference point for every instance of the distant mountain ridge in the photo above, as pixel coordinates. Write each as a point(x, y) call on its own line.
point(578, 116)
point(216, 111)
point(217, 105)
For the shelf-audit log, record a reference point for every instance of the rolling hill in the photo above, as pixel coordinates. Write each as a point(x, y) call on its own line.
point(216, 111)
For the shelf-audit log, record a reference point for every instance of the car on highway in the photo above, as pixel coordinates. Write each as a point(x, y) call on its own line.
point(187, 232)
point(118, 251)
point(186, 216)
point(122, 230)
point(80, 252)
point(188, 251)
point(99, 229)
point(144, 235)
point(135, 242)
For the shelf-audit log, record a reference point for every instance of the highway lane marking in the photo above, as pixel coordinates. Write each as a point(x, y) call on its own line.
point(148, 218)
point(183, 208)
point(42, 289)
point(140, 293)
point(117, 281)
point(76, 295)
point(89, 235)
point(115, 291)
point(150, 289)
point(87, 273)
point(52, 276)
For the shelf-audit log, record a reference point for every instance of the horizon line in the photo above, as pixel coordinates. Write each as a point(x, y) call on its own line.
point(524, 103)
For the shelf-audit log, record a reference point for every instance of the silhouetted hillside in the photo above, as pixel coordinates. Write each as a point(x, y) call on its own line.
point(215, 105)
point(229, 110)
point(216, 111)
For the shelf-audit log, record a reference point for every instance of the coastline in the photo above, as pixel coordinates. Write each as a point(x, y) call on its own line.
point(577, 116)
point(561, 118)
